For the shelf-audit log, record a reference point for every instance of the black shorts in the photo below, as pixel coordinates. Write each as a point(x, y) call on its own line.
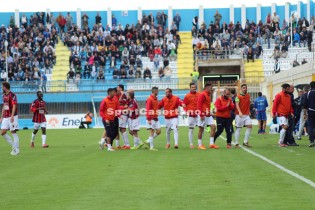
point(111, 129)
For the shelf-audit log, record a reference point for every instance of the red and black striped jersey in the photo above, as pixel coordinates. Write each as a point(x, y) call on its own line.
point(39, 114)
point(133, 109)
point(9, 100)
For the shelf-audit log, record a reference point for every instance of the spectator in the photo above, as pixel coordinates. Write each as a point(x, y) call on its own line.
point(165, 62)
point(147, 74)
point(217, 17)
point(177, 19)
point(98, 19)
point(284, 50)
point(100, 75)
point(123, 74)
point(131, 73)
point(138, 73)
point(43, 82)
point(258, 50)
point(3, 75)
point(276, 53)
point(161, 73)
point(296, 38)
point(195, 22)
point(70, 75)
point(167, 72)
point(275, 19)
point(116, 74)
point(114, 20)
point(250, 55)
point(69, 20)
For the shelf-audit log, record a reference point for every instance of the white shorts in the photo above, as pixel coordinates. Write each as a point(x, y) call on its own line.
point(123, 120)
point(241, 122)
point(134, 124)
point(204, 123)
point(7, 125)
point(39, 125)
point(155, 125)
point(192, 122)
point(171, 123)
point(282, 121)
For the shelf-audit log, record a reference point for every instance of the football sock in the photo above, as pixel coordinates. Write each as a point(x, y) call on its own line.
point(136, 141)
point(191, 136)
point(150, 140)
point(282, 135)
point(33, 137)
point(16, 140)
point(176, 136)
point(9, 139)
point(211, 140)
point(126, 139)
point(199, 142)
point(168, 136)
point(117, 142)
point(237, 134)
point(102, 141)
point(43, 139)
point(247, 133)
point(109, 146)
point(154, 135)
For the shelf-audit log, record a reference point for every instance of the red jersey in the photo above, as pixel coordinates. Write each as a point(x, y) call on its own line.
point(134, 109)
point(244, 104)
point(223, 110)
point(282, 105)
point(122, 99)
point(152, 107)
point(108, 108)
point(190, 101)
point(39, 115)
point(203, 104)
point(170, 105)
point(8, 101)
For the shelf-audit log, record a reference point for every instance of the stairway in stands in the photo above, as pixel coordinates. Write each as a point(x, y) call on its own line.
point(254, 70)
point(185, 60)
point(61, 69)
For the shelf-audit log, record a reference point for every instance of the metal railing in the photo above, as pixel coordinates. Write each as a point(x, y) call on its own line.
point(219, 54)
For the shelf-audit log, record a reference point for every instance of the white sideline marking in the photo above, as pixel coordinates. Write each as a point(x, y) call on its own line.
point(296, 175)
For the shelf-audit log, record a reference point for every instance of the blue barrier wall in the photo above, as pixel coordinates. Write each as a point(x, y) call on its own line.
point(5, 18)
point(124, 20)
point(186, 15)
point(251, 14)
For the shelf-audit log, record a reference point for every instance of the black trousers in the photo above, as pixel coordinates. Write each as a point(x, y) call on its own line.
point(289, 139)
point(111, 129)
point(223, 123)
point(85, 122)
point(311, 125)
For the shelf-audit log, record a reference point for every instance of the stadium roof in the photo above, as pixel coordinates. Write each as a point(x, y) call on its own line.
point(95, 5)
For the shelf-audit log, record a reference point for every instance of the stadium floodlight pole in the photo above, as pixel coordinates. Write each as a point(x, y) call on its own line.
point(6, 59)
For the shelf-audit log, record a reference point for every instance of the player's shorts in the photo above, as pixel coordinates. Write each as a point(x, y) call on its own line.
point(261, 115)
point(155, 125)
point(123, 121)
point(171, 123)
point(192, 122)
point(206, 122)
point(134, 124)
point(244, 121)
point(39, 125)
point(7, 125)
point(111, 129)
point(282, 120)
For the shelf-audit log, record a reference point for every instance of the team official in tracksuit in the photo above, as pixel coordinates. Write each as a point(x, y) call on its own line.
point(310, 106)
point(224, 105)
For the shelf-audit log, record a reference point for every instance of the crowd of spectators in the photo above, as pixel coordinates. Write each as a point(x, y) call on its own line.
point(222, 39)
point(119, 49)
point(31, 48)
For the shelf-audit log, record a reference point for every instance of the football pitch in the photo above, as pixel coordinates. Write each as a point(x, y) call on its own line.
point(74, 174)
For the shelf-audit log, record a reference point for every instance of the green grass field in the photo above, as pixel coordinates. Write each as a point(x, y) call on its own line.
point(74, 174)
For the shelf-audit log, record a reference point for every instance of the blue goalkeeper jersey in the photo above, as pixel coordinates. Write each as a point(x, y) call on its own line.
point(260, 104)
